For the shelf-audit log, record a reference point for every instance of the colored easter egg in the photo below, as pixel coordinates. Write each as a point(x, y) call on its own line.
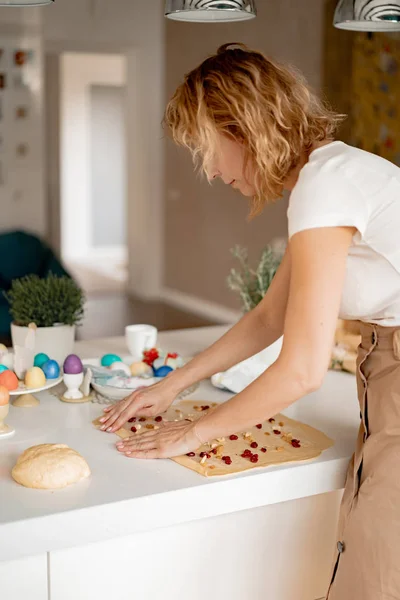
point(139, 369)
point(108, 359)
point(162, 371)
point(120, 366)
point(4, 395)
point(73, 365)
point(3, 368)
point(40, 359)
point(35, 378)
point(9, 380)
point(3, 349)
point(8, 360)
point(51, 369)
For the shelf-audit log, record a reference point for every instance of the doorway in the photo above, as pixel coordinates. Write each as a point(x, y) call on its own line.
point(93, 170)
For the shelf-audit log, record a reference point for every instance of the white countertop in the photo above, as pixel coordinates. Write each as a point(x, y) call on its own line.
point(125, 496)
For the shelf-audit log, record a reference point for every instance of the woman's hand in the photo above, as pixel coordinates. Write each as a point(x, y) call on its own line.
point(172, 439)
point(146, 402)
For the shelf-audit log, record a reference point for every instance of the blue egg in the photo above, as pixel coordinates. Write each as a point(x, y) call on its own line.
point(40, 359)
point(108, 359)
point(162, 371)
point(51, 369)
point(3, 368)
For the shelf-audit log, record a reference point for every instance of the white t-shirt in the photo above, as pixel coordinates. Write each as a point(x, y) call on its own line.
point(342, 185)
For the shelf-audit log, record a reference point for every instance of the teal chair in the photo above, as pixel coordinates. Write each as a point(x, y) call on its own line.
point(22, 254)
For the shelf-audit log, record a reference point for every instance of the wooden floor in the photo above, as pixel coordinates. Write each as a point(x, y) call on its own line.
point(107, 315)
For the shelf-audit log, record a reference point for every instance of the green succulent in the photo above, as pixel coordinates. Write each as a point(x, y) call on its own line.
point(45, 302)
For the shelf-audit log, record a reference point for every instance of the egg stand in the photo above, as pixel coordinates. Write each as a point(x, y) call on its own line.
point(5, 430)
point(26, 400)
point(73, 394)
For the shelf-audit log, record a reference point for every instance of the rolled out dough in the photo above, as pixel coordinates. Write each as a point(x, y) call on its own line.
point(49, 467)
point(279, 448)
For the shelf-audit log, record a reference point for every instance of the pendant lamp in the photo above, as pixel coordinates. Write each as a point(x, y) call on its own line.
point(368, 15)
point(208, 11)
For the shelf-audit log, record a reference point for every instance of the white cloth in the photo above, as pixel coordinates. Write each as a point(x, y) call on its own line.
point(241, 375)
point(342, 185)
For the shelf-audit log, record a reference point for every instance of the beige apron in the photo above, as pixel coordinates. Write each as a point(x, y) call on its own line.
point(367, 561)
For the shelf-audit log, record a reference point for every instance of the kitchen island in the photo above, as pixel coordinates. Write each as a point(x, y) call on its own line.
point(155, 530)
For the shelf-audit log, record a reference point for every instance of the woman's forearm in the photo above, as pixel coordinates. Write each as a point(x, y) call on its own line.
point(269, 394)
point(247, 337)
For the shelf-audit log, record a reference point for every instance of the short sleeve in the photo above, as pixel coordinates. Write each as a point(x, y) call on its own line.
point(326, 199)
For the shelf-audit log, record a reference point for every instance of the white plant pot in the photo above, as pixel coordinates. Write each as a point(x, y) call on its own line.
point(57, 342)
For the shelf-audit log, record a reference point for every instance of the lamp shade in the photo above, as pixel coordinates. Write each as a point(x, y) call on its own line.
point(206, 11)
point(25, 2)
point(368, 15)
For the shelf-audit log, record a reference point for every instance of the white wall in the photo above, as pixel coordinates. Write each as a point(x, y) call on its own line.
point(108, 166)
point(22, 192)
point(137, 28)
point(78, 73)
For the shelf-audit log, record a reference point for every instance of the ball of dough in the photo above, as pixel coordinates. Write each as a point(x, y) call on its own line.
point(50, 467)
point(35, 378)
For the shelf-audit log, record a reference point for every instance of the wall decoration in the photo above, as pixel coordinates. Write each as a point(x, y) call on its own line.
point(21, 112)
point(22, 150)
point(376, 94)
point(23, 57)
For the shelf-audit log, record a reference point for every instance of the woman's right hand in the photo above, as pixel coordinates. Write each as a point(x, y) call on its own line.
point(145, 402)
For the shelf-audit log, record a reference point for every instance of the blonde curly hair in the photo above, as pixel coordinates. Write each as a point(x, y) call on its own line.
point(265, 106)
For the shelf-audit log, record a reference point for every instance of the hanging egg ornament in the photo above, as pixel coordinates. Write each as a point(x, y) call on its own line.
point(73, 365)
point(35, 378)
point(120, 366)
point(51, 369)
point(162, 371)
point(4, 395)
point(138, 369)
point(3, 368)
point(40, 359)
point(9, 380)
point(108, 359)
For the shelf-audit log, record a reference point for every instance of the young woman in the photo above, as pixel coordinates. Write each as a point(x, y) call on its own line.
point(257, 126)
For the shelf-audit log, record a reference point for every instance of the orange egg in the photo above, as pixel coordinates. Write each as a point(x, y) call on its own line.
point(9, 380)
point(4, 395)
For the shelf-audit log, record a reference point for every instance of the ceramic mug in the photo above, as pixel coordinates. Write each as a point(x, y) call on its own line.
point(139, 338)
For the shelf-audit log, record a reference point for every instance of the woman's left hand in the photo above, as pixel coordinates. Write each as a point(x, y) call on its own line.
point(172, 439)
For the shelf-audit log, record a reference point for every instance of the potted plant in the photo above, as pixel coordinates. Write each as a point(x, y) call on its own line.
point(252, 284)
point(54, 305)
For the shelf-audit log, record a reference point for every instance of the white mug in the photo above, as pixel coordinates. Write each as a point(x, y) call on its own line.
point(139, 338)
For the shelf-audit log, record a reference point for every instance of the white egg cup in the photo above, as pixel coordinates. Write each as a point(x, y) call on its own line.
point(73, 383)
point(5, 430)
